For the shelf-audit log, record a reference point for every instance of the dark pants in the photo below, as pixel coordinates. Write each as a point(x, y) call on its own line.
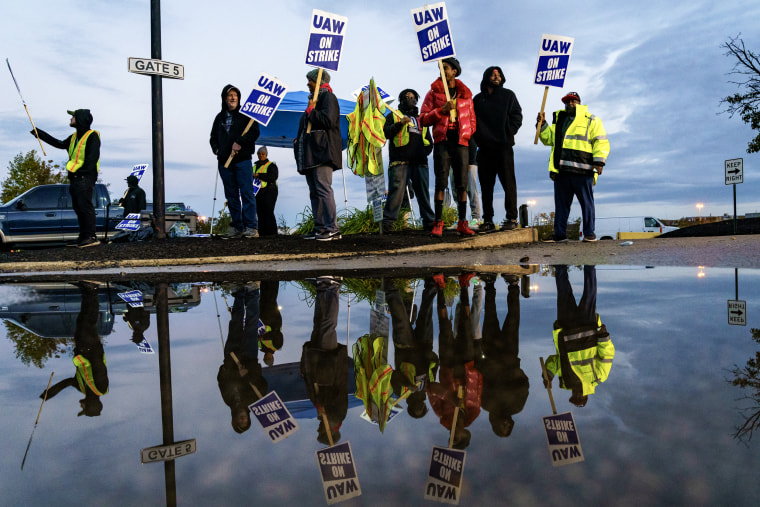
point(498, 162)
point(567, 185)
point(569, 313)
point(398, 176)
point(243, 336)
point(326, 306)
point(238, 190)
point(80, 189)
point(450, 155)
point(265, 201)
point(322, 199)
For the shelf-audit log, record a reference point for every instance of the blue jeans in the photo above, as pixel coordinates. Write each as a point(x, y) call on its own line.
point(567, 185)
point(319, 180)
point(238, 188)
point(398, 176)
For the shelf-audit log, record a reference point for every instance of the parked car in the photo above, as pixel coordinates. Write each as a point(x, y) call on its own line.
point(611, 228)
point(43, 215)
point(174, 212)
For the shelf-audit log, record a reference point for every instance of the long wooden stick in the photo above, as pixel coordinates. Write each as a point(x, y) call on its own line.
point(543, 105)
point(548, 385)
point(44, 397)
point(456, 416)
point(316, 93)
point(324, 419)
point(26, 108)
point(242, 372)
point(232, 155)
point(452, 113)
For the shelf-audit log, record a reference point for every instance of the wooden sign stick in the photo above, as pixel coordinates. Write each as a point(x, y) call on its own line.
point(456, 416)
point(316, 93)
point(548, 385)
point(324, 419)
point(543, 105)
point(232, 155)
point(243, 372)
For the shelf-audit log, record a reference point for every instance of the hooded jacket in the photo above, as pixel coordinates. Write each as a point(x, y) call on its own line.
point(82, 122)
point(221, 140)
point(430, 114)
point(499, 113)
point(323, 145)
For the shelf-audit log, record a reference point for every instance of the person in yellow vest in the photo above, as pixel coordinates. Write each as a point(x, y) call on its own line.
point(579, 152)
point(266, 172)
point(84, 161)
point(584, 347)
point(409, 147)
point(91, 375)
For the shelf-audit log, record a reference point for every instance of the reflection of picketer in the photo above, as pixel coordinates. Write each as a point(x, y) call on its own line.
point(579, 152)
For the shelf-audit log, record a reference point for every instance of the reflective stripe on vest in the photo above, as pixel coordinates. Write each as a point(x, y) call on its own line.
point(402, 138)
point(262, 170)
point(84, 374)
point(77, 150)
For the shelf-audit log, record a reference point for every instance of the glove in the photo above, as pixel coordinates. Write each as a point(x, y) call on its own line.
point(34, 133)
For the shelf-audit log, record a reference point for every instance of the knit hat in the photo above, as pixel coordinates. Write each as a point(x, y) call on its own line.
point(312, 75)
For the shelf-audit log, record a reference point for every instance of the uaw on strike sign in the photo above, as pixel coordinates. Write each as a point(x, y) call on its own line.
point(264, 99)
point(433, 33)
point(325, 40)
point(553, 59)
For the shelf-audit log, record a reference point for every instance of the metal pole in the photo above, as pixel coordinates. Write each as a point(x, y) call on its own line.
point(734, 208)
point(157, 108)
point(165, 379)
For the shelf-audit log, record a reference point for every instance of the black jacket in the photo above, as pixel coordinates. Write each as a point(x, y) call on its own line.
point(221, 140)
point(414, 152)
point(323, 146)
point(83, 120)
point(133, 200)
point(498, 114)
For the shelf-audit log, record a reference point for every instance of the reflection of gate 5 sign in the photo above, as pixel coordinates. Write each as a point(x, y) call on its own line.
point(433, 33)
point(264, 99)
point(325, 39)
point(553, 59)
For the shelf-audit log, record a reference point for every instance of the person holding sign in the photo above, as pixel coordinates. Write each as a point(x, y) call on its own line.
point(579, 152)
point(499, 118)
point(84, 163)
point(451, 138)
point(408, 152)
point(266, 172)
point(134, 198)
point(229, 137)
point(318, 153)
point(584, 347)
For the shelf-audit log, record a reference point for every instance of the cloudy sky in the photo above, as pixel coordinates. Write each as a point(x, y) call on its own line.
point(655, 73)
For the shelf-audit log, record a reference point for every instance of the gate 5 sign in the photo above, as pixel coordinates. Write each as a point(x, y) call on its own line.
point(156, 68)
point(433, 33)
point(553, 59)
point(325, 39)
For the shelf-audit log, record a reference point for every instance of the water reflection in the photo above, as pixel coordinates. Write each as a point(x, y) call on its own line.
point(456, 351)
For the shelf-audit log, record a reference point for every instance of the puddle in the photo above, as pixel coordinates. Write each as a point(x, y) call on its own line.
point(656, 398)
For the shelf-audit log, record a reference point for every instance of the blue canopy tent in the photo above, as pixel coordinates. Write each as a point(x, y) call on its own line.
point(283, 126)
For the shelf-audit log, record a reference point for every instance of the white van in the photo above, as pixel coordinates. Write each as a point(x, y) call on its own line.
point(629, 228)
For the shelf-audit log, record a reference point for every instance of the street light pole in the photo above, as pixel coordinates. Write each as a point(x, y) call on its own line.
point(699, 207)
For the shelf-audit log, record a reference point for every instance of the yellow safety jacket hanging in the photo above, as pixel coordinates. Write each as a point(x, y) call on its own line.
point(402, 138)
point(373, 378)
point(258, 171)
point(77, 150)
point(584, 144)
point(592, 364)
point(365, 136)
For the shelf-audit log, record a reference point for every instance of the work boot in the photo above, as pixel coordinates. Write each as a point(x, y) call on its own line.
point(463, 228)
point(437, 231)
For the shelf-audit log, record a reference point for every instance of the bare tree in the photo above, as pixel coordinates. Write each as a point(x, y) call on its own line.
point(746, 103)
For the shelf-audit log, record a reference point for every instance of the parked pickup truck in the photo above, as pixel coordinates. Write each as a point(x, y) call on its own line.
point(629, 227)
point(43, 215)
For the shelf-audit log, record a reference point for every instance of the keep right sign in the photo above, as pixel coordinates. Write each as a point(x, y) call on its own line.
point(734, 171)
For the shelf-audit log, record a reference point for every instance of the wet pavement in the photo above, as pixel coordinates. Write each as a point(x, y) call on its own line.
point(662, 386)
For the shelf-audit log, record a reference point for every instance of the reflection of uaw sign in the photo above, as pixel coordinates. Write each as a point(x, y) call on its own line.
point(264, 99)
point(553, 59)
point(325, 39)
point(339, 479)
point(433, 33)
point(274, 417)
point(562, 437)
point(444, 482)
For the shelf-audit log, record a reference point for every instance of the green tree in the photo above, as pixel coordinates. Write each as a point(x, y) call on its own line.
point(34, 350)
point(746, 103)
point(748, 378)
point(27, 171)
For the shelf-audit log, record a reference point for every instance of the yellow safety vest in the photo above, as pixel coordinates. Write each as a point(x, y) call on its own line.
point(76, 152)
point(584, 144)
point(262, 170)
point(84, 374)
point(402, 138)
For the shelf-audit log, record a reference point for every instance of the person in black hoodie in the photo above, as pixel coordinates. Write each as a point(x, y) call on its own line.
point(134, 198)
point(318, 154)
point(499, 117)
point(84, 160)
point(229, 136)
point(408, 152)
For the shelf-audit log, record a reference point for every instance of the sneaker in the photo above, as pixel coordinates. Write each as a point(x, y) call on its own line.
point(437, 231)
point(439, 280)
point(511, 279)
point(233, 232)
point(509, 225)
point(486, 227)
point(555, 240)
point(464, 280)
point(328, 236)
point(463, 228)
point(88, 243)
point(310, 235)
point(475, 222)
point(250, 233)
point(590, 238)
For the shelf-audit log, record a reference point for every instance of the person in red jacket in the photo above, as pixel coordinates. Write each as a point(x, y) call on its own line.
point(453, 123)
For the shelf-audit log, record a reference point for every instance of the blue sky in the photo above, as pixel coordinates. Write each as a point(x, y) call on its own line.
point(654, 73)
